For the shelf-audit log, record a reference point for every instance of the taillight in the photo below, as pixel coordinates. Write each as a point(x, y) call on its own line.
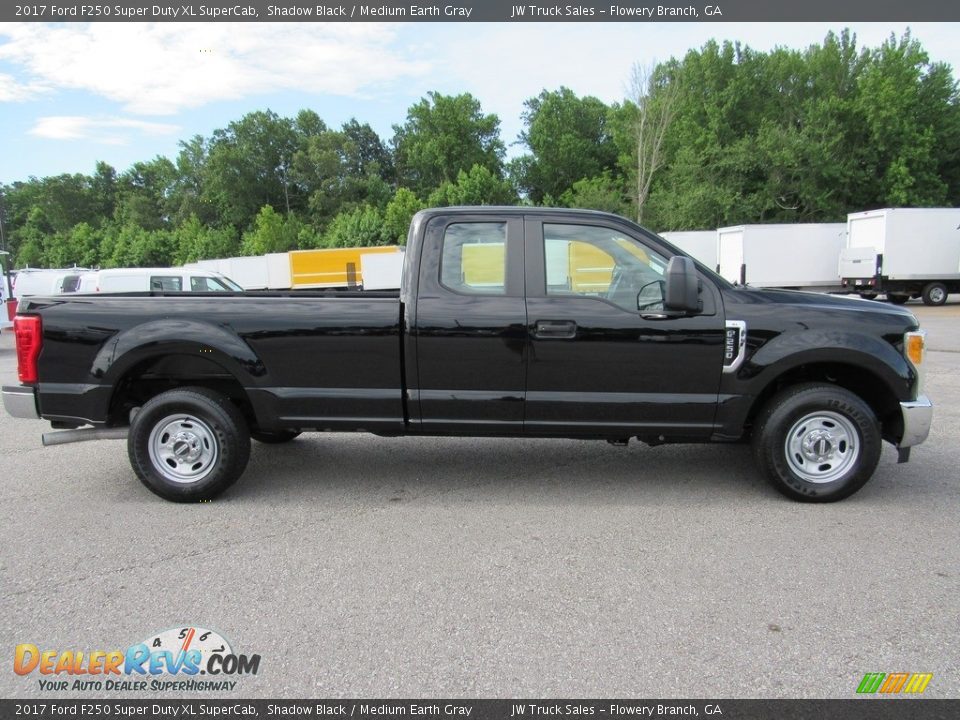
point(29, 334)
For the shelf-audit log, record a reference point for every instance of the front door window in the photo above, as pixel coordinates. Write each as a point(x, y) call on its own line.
point(592, 261)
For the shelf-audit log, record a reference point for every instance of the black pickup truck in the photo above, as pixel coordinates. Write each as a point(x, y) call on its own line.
point(510, 322)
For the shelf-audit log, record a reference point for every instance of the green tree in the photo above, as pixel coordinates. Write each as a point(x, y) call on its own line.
point(142, 192)
point(360, 227)
point(248, 165)
point(479, 186)
point(80, 246)
point(195, 241)
point(442, 136)
point(132, 246)
point(340, 170)
point(603, 192)
point(569, 139)
point(271, 233)
point(398, 214)
point(796, 136)
point(31, 237)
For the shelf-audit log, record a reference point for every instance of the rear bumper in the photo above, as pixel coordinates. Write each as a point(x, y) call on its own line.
point(917, 416)
point(20, 401)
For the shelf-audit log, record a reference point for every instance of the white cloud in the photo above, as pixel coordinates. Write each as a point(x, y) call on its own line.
point(13, 91)
point(163, 68)
point(107, 131)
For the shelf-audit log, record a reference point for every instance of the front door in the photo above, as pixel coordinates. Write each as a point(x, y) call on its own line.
point(605, 359)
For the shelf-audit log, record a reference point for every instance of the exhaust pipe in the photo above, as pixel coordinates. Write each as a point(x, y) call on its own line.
point(83, 435)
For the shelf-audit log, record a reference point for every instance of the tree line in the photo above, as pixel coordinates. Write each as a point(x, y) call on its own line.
point(725, 135)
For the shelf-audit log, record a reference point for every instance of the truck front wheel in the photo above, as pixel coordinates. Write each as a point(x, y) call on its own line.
point(817, 443)
point(188, 445)
point(934, 293)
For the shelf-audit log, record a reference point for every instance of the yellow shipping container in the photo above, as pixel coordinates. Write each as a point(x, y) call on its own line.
point(330, 268)
point(482, 265)
point(591, 269)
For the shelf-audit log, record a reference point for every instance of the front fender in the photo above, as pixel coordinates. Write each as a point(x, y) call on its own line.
point(794, 349)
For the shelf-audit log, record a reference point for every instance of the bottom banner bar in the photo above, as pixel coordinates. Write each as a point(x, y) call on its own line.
point(856, 709)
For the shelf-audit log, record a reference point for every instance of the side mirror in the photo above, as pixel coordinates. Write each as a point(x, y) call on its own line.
point(683, 285)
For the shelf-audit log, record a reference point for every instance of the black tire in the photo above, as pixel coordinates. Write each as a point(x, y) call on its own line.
point(868, 295)
point(184, 425)
point(274, 438)
point(897, 299)
point(934, 293)
point(816, 418)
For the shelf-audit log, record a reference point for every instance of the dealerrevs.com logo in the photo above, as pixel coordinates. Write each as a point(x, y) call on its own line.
point(180, 659)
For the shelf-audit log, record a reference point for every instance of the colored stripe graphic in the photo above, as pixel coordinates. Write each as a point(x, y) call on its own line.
point(918, 682)
point(871, 682)
point(894, 683)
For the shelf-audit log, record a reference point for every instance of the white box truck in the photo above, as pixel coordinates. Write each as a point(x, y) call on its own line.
point(795, 255)
point(903, 253)
point(699, 244)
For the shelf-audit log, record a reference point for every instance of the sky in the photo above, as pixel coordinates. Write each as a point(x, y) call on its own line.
point(74, 94)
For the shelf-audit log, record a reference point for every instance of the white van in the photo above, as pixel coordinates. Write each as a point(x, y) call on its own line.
point(78, 282)
point(53, 282)
point(119, 280)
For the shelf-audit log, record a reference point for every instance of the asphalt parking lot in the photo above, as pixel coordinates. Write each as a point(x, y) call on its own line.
point(367, 567)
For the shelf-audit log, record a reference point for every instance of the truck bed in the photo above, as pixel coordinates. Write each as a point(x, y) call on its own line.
point(287, 351)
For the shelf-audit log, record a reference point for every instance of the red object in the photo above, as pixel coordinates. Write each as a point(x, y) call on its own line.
point(29, 334)
point(12, 308)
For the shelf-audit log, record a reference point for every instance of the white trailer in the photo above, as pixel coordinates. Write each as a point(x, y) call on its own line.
point(904, 253)
point(260, 272)
point(381, 271)
point(699, 244)
point(797, 255)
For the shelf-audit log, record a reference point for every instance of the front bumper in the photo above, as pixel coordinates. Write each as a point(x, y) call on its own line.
point(917, 416)
point(20, 401)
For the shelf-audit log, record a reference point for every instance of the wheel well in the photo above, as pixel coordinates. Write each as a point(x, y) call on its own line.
point(153, 376)
point(864, 384)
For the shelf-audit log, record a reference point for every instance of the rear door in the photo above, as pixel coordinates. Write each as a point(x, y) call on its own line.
point(605, 360)
point(470, 328)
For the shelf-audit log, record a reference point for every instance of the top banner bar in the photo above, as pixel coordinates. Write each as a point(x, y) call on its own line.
point(635, 11)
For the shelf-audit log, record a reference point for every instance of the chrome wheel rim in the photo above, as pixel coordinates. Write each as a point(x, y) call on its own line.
point(183, 449)
point(822, 446)
point(937, 295)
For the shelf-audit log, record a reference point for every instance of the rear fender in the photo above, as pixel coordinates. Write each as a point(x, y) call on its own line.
point(158, 338)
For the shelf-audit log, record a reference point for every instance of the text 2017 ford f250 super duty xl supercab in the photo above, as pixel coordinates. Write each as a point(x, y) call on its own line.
point(523, 322)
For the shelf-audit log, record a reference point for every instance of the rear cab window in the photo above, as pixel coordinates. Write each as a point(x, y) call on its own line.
point(474, 259)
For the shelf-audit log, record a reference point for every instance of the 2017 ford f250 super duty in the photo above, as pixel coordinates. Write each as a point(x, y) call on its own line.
point(510, 322)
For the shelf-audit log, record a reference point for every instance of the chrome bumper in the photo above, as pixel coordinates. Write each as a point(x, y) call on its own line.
point(917, 416)
point(20, 401)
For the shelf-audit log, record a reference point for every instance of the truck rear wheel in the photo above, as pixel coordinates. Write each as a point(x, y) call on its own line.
point(817, 443)
point(189, 444)
point(898, 298)
point(934, 293)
